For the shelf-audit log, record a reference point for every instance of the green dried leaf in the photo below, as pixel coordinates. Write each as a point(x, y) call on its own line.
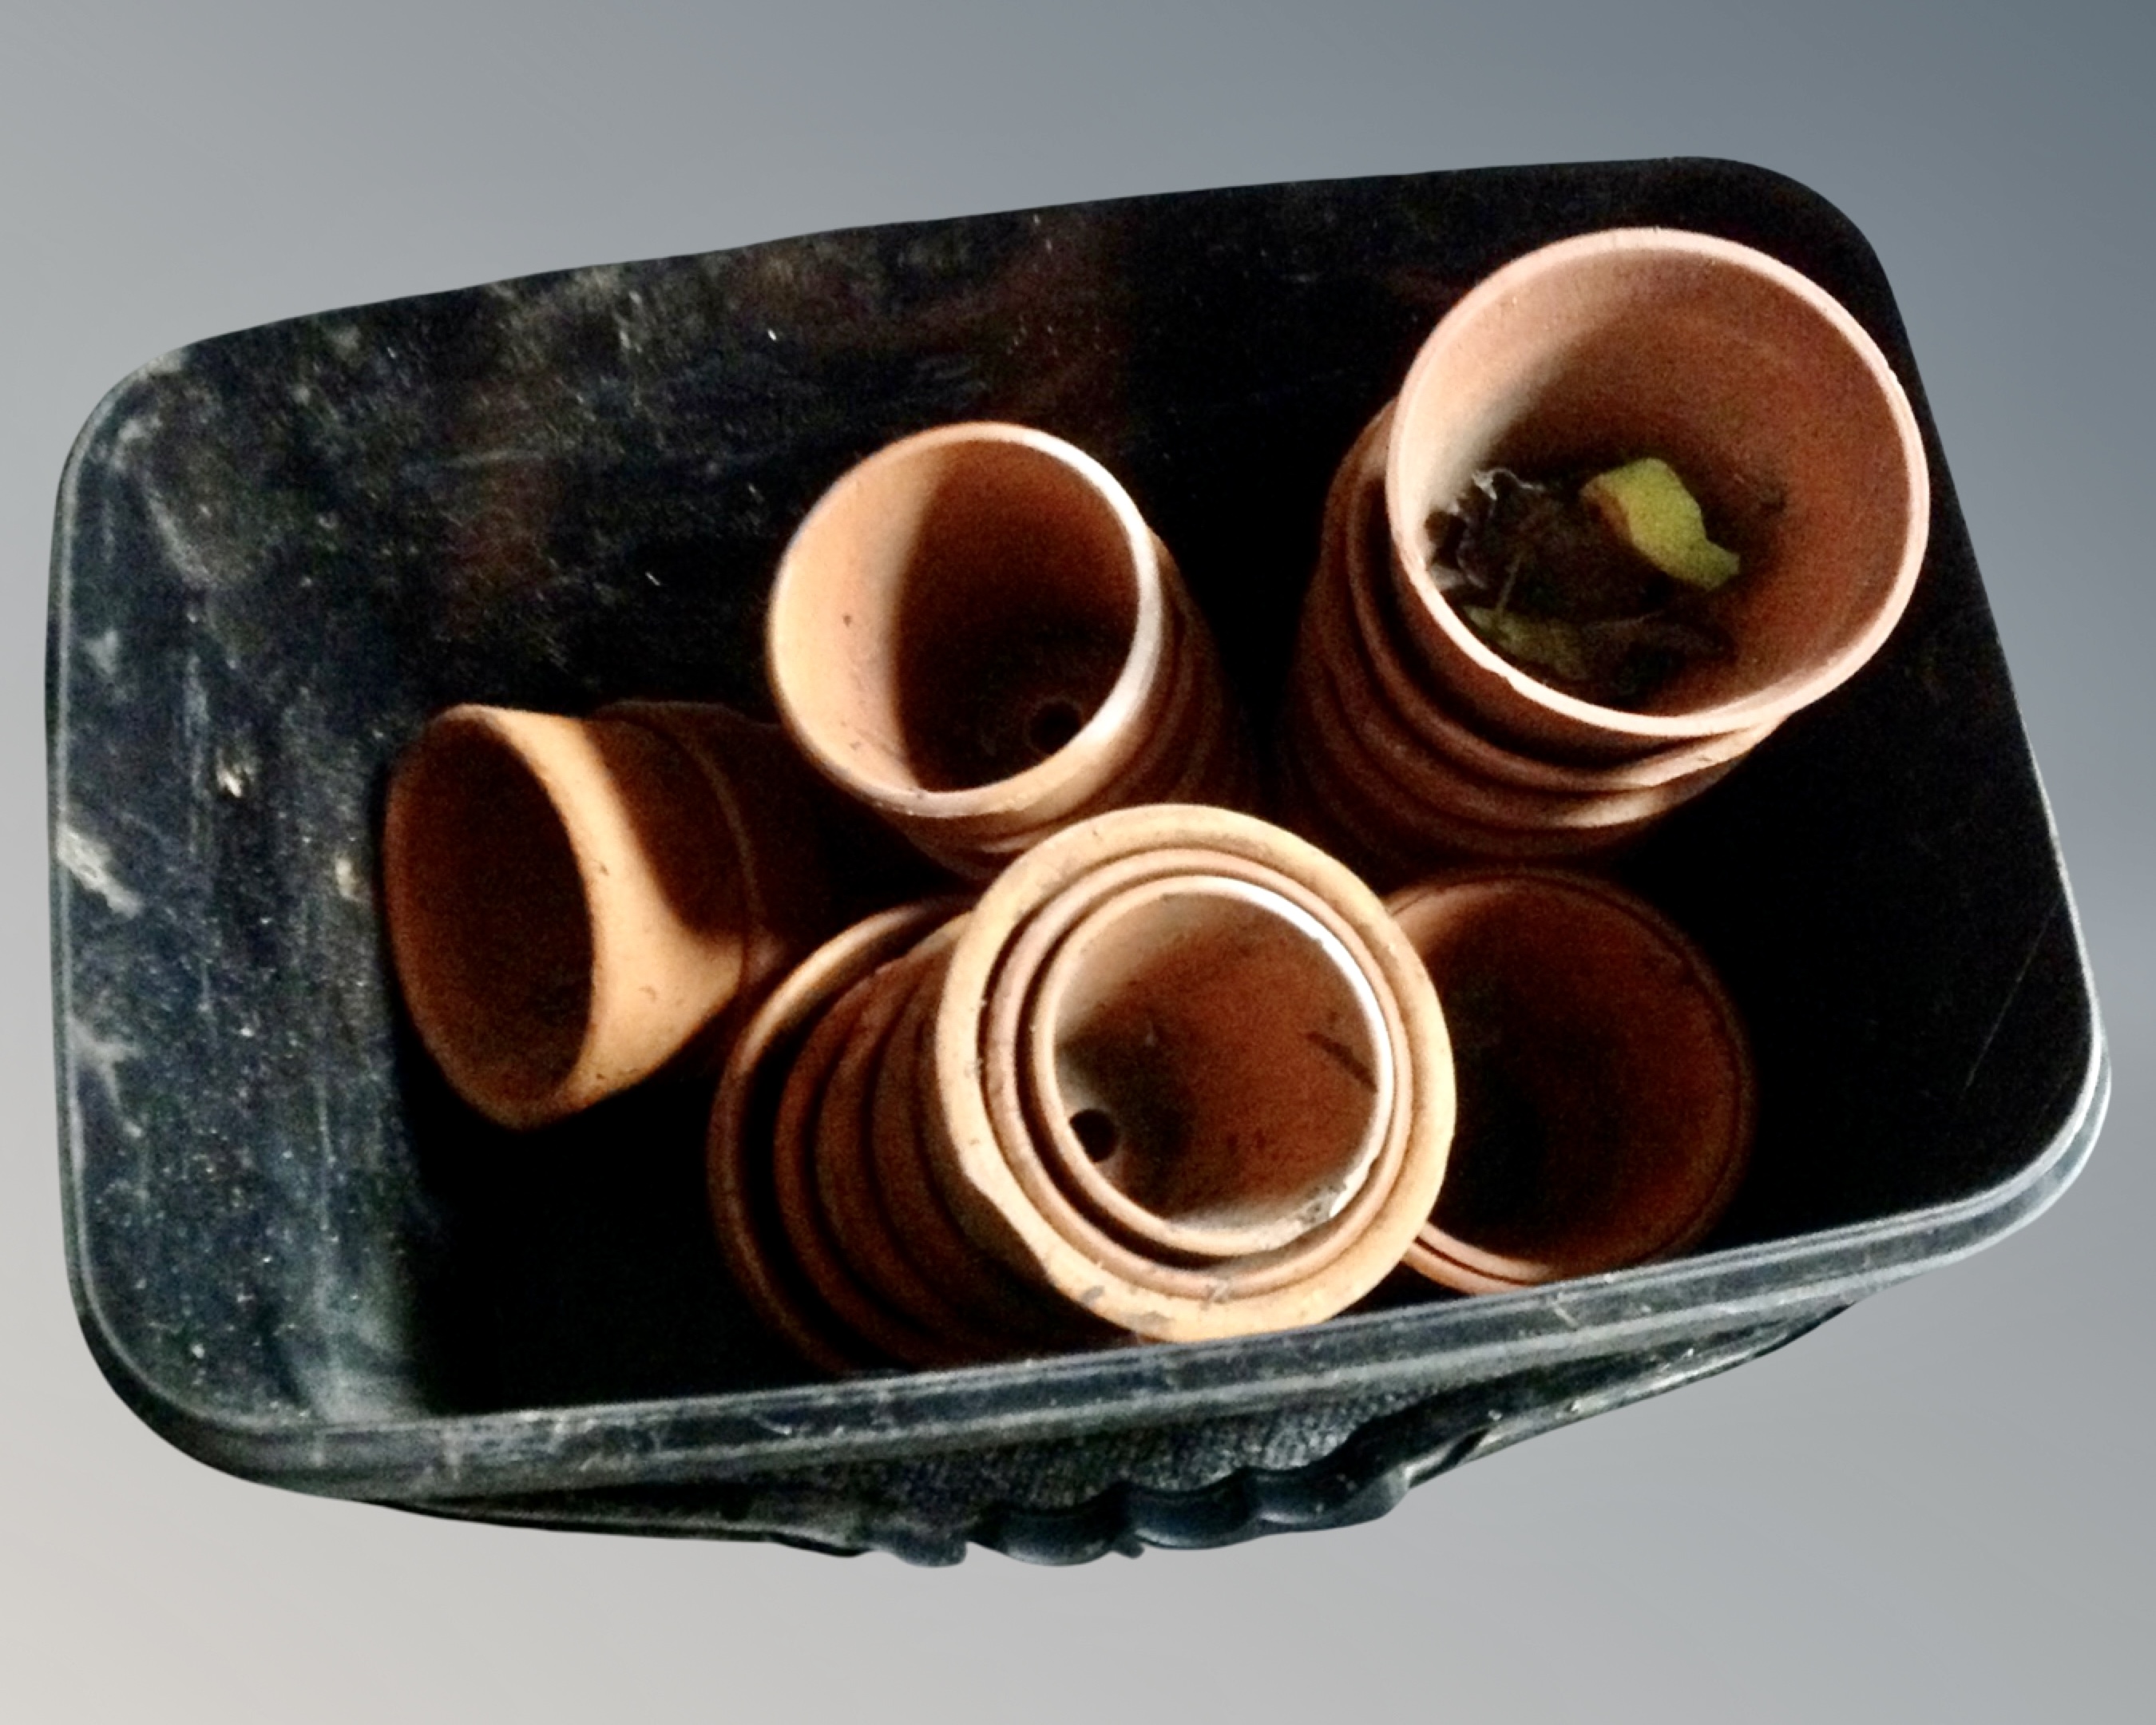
point(1653, 511)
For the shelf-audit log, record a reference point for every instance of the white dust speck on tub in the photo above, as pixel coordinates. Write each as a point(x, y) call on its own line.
point(351, 885)
point(99, 1056)
point(90, 864)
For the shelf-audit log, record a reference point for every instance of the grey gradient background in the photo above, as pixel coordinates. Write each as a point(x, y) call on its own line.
point(1939, 1507)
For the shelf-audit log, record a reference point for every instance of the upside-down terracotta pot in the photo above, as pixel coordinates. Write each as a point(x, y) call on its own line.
point(570, 902)
point(1226, 1041)
point(1780, 412)
point(975, 633)
point(1606, 1090)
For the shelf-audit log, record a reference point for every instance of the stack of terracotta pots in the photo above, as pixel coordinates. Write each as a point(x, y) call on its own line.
point(1408, 739)
point(975, 633)
point(573, 904)
point(1177, 1075)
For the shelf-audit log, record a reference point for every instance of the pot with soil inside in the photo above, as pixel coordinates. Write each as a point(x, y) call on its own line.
point(1644, 487)
point(1390, 770)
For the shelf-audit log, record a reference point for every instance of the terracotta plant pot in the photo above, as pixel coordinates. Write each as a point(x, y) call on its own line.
point(842, 1247)
point(1209, 1065)
point(746, 1207)
point(1176, 1076)
point(1396, 780)
point(1606, 1093)
point(1379, 642)
point(1052, 1165)
point(571, 900)
point(975, 633)
point(1780, 412)
point(1130, 963)
point(923, 1227)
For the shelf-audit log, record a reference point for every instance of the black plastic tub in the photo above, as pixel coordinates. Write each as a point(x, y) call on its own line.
point(300, 1259)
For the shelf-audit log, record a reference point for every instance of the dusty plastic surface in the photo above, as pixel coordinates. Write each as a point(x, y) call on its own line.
point(297, 1256)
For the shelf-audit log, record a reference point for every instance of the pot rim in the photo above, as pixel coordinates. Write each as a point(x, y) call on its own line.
point(1100, 745)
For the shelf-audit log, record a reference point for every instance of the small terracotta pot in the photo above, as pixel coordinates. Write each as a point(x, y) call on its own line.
point(571, 900)
point(1209, 1065)
point(1606, 1090)
point(970, 1160)
point(778, 817)
point(744, 1122)
point(1372, 622)
point(992, 1296)
point(1054, 1171)
point(1407, 783)
point(974, 632)
point(1779, 411)
point(850, 1200)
